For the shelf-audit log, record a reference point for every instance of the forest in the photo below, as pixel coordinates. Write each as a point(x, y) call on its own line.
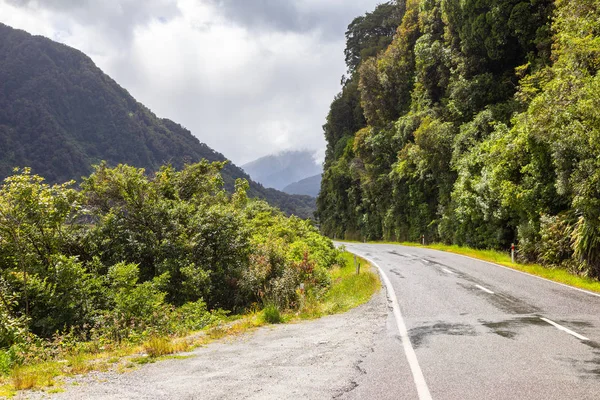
point(126, 256)
point(470, 122)
point(60, 115)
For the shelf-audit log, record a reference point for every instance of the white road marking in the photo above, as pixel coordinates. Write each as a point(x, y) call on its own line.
point(484, 289)
point(521, 272)
point(409, 351)
point(427, 261)
point(447, 271)
point(562, 328)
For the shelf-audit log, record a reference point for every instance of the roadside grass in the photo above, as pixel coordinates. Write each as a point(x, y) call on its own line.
point(554, 274)
point(272, 315)
point(163, 346)
point(348, 290)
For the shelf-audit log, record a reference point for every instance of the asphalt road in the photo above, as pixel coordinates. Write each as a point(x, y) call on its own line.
point(446, 327)
point(479, 331)
point(320, 359)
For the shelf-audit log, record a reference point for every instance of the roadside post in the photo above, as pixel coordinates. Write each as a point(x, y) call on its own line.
point(423, 240)
point(512, 252)
point(356, 265)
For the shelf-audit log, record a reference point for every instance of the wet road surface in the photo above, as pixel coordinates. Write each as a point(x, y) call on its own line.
point(446, 327)
point(480, 331)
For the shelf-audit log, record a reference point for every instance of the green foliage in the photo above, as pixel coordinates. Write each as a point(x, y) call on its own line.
point(131, 258)
point(271, 314)
point(61, 114)
point(369, 34)
point(480, 128)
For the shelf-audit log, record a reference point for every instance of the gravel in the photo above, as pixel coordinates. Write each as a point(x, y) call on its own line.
point(318, 359)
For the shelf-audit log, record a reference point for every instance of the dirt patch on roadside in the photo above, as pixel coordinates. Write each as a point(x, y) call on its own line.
point(308, 360)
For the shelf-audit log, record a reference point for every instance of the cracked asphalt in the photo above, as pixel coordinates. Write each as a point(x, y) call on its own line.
point(320, 359)
point(475, 331)
point(480, 331)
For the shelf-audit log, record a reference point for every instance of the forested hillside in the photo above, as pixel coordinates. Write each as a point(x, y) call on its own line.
point(472, 122)
point(60, 114)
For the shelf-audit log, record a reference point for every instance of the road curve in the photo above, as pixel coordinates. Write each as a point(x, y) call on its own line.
point(451, 328)
point(320, 359)
point(481, 331)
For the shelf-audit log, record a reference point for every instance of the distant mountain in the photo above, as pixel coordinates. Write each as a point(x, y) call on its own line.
point(308, 186)
point(282, 169)
point(59, 114)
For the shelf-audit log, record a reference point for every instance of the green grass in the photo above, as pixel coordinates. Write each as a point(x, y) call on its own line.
point(554, 274)
point(271, 314)
point(348, 290)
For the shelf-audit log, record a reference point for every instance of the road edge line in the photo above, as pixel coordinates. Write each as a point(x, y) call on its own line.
point(483, 261)
point(524, 273)
point(497, 265)
point(409, 351)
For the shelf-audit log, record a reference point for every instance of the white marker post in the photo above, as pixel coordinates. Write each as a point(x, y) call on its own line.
point(512, 252)
point(356, 265)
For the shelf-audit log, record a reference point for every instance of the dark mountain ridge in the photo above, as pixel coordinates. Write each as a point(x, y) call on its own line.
point(60, 114)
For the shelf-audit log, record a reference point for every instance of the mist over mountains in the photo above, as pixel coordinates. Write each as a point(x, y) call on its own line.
point(60, 114)
point(280, 170)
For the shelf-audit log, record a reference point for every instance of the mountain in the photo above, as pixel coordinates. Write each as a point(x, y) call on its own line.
point(282, 169)
point(60, 114)
point(307, 186)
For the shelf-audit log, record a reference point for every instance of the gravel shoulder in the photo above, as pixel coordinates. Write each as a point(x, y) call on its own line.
point(325, 358)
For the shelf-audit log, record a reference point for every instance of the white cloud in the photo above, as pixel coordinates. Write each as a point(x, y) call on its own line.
point(245, 88)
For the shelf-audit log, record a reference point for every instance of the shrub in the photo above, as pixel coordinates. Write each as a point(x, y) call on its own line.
point(271, 314)
point(23, 378)
point(555, 240)
point(12, 329)
point(195, 316)
point(6, 363)
point(136, 307)
point(529, 238)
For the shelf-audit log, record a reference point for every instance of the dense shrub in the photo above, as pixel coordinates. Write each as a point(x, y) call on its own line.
point(132, 257)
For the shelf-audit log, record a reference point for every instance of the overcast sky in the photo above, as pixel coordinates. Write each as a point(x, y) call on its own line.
point(247, 77)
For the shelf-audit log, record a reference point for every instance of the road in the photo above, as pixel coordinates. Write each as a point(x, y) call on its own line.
point(318, 359)
point(446, 327)
point(481, 331)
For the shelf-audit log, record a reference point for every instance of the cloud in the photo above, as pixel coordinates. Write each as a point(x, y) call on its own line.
point(248, 78)
point(117, 19)
point(330, 17)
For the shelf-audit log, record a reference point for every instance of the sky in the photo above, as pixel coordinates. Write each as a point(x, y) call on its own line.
point(247, 77)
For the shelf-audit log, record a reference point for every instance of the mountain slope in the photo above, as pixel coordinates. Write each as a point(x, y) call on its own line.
point(60, 114)
point(309, 186)
point(282, 169)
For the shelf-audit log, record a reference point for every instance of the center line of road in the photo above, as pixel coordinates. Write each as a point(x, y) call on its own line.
point(409, 351)
point(447, 271)
point(562, 328)
point(484, 289)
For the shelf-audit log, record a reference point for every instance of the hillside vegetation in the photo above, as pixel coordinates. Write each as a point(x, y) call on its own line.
point(473, 123)
point(60, 115)
point(127, 258)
